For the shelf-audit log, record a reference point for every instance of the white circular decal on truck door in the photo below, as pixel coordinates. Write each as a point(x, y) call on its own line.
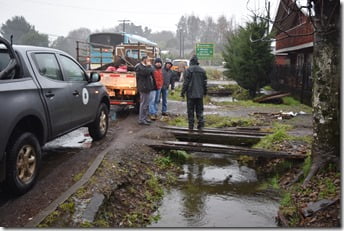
point(85, 96)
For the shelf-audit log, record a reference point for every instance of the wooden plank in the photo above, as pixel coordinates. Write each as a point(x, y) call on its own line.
point(254, 131)
point(206, 137)
point(223, 149)
point(270, 97)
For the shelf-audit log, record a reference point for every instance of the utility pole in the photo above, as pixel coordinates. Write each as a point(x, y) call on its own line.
point(180, 43)
point(268, 9)
point(124, 21)
point(183, 47)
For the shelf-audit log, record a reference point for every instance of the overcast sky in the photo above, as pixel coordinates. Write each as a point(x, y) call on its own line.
point(58, 17)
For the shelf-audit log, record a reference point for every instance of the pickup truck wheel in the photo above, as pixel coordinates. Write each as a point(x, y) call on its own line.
point(99, 127)
point(23, 161)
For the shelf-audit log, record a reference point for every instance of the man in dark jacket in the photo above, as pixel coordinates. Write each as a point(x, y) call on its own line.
point(169, 78)
point(195, 87)
point(145, 85)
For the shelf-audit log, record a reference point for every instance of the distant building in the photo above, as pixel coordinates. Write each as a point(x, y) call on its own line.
point(293, 45)
point(294, 50)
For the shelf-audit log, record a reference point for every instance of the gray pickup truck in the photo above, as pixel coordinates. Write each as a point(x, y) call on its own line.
point(44, 93)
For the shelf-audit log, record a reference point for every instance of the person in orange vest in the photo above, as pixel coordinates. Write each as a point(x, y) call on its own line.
point(155, 93)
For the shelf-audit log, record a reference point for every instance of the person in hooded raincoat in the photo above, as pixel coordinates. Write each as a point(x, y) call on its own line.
point(195, 88)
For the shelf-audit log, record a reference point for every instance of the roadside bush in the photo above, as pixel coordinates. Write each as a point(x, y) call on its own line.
point(213, 74)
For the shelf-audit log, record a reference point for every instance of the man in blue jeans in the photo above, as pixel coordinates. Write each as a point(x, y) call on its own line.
point(169, 78)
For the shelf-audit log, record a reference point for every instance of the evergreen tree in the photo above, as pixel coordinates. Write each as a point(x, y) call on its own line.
point(248, 57)
point(23, 32)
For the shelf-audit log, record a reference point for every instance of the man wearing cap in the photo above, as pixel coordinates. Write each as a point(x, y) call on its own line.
point(155, 93)
point(169, 78)
point(145, 85)
point(195, 87)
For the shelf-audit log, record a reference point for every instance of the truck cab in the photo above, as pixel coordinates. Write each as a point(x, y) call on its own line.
point(44, 94)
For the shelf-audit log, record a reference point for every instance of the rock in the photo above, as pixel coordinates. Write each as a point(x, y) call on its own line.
point(93, 207)
point(314, 207)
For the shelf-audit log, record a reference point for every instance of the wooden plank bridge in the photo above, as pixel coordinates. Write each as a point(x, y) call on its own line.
point(221, 141)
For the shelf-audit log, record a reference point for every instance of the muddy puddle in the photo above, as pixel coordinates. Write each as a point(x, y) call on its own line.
point(216, 191)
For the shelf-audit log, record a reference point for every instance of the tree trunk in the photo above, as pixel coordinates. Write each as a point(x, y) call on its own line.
point(326, 82)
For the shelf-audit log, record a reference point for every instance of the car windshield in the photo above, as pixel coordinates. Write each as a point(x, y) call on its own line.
point(177, 63)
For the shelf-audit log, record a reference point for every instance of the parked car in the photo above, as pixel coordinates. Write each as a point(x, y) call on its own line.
point(179, 66)
point(44, 94)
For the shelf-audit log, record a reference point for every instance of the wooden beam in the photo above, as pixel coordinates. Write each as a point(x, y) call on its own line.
point(217, 138)
point(253, 131)
point(223, 149)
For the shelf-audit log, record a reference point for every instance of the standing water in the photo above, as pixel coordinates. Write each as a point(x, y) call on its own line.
point(217, 192)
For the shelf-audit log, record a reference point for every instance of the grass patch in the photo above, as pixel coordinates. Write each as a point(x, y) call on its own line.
point(268, 88)
point(179, 121)
point(270, 183)
point(216, 121)
point(176, 95)
point(329, 189)
point(270, 142)
point(288, 100)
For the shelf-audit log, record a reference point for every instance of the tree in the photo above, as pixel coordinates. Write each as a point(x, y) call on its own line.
point(23, 32)
point(326, 76)
point(17, 26)
point(36, 39)
point(325, 17)
point(68, 43)
point(249, 63)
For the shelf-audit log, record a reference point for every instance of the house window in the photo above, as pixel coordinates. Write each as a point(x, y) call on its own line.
point(300, 60)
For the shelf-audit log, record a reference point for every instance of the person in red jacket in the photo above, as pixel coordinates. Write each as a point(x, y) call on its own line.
point(155, 93)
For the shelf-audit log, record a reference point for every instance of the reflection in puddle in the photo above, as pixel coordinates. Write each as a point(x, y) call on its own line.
point(217, 192)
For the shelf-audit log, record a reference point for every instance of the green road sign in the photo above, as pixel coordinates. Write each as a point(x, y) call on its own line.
point(205, 50)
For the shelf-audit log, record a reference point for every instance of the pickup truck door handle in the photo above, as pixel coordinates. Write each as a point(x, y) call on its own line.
point(76, 93)
point(49, 94)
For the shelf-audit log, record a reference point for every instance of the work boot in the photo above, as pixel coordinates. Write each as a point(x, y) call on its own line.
point(152, 117)
point(148, 121)
point(144, 123)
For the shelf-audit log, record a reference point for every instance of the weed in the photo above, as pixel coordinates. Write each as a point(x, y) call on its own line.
point(68, 207)
point(51, 218)
point(179, 156)
point(329, 189)
point(270, 183)
point(86, 224)
point(214, 74)
point(81, 192)
point(163, 162)
point(101, 223)
point(286, 200)
point(307, 164)
point(78, 176)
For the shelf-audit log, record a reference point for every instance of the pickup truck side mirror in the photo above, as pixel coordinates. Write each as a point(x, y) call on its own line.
point(94, 77)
